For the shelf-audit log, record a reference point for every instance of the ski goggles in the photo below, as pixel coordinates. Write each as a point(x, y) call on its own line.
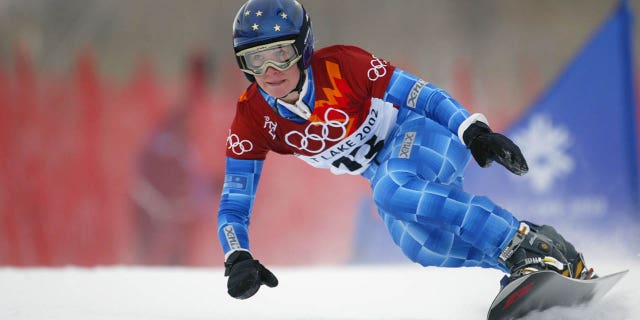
point(279, 55)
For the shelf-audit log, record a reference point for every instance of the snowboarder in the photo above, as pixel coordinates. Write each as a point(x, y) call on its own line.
point(346, 110)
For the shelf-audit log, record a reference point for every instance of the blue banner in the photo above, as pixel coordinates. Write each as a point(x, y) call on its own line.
point(580, 142)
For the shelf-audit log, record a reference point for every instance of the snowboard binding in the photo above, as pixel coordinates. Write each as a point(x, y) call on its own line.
point(536, 248)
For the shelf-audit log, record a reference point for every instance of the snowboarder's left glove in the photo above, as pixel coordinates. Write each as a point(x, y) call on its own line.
point(246, 275)
point(487, 146)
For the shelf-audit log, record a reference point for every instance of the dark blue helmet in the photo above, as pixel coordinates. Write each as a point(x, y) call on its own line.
point(260, 22)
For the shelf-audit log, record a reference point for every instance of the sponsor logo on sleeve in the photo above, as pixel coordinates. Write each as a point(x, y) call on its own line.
point(407, 144)
point(232, 238)
point(412, 99)
point(235, 182)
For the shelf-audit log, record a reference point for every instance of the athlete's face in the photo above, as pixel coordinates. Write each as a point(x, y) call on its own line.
point(278, 83)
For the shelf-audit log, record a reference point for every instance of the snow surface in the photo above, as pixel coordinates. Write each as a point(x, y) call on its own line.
point(396, 292)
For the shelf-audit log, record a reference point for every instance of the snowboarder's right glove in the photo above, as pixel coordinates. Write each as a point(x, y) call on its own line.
point(246, 275)
point(487, 146)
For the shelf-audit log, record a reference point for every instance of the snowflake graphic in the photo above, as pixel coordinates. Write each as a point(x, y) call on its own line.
point(545, 148)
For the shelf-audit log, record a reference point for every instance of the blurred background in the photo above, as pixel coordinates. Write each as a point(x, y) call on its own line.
point(114, 117)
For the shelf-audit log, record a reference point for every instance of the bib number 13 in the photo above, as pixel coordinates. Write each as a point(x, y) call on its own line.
point(359, 156)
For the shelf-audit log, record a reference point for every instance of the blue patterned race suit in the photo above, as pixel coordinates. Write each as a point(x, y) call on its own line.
point(417, 187)
point(411, 152)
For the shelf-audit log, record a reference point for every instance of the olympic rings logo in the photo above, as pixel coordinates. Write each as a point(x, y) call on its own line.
point(378, 69)
point(238, 146)
point(328, 130)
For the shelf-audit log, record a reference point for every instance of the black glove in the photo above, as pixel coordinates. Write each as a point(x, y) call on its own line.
point(246, 275)
point(487, 146)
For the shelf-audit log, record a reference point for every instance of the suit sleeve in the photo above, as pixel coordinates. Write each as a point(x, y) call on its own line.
point(236, 203)
point(412, 93)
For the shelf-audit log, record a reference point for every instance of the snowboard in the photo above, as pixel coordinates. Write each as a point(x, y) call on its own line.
point(546, 289)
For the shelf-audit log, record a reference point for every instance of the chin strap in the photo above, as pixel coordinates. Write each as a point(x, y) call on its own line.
point(303, 78)
point(299, 107)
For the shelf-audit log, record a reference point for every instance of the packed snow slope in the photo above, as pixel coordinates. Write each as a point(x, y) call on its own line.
point(394, 292)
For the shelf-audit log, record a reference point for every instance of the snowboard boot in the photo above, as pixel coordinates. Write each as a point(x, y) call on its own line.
point(535, 248)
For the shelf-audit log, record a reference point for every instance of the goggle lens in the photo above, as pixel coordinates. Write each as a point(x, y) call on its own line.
point(280, 56)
